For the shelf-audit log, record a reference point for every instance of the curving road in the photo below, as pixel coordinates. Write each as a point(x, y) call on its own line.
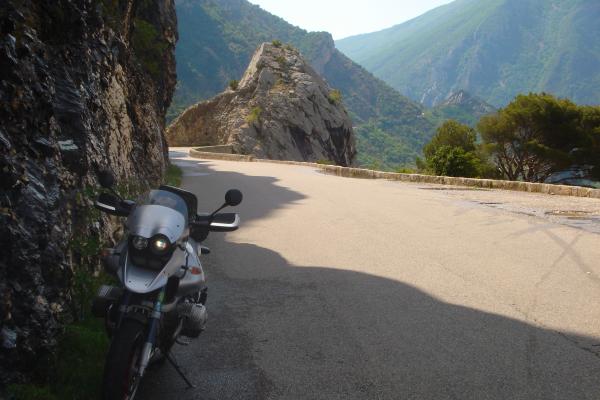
point(339, 288)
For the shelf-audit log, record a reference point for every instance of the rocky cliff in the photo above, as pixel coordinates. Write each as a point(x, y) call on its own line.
point(85, 86)
point(460, 106)
point(281, 109)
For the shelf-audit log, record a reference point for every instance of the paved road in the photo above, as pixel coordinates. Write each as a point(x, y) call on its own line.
point(340, 288)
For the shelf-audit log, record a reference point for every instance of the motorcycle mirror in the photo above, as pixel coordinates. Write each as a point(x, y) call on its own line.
point(106, 179)
point(233, 197)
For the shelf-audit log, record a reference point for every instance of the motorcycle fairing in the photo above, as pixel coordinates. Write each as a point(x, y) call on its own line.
point(144, 280)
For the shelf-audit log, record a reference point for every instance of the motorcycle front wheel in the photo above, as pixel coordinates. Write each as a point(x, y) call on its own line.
point(120, 370)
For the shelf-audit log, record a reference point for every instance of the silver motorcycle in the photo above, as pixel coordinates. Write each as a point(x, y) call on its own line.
point(162, 291)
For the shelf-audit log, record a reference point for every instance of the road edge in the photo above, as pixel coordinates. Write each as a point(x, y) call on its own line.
point(351, 172)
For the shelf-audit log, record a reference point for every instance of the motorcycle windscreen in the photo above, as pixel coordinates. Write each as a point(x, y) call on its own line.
point(148, 221)
point(159, 212)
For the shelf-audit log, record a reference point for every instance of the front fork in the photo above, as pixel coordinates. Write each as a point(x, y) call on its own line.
point(153, 324)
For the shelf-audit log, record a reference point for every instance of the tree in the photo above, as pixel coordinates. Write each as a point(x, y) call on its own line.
point(589, 153)
point(455, 161)
point(452, 151)
point(454, 134)
point(534, 136)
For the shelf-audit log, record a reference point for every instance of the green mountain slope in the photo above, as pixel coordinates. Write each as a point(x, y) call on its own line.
point(494, 49)
point(217, 39)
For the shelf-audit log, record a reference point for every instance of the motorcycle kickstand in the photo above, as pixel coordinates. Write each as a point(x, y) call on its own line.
point(173, 362)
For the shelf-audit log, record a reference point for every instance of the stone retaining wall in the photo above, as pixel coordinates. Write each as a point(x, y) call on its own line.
point(349, 172)
point(224, 148)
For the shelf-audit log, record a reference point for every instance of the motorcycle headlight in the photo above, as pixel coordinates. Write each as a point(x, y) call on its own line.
point(160, 244)
point(140, 243)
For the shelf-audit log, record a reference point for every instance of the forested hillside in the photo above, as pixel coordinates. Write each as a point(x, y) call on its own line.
point(494, 49)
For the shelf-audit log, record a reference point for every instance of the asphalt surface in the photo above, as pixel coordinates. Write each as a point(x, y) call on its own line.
point(337, 288)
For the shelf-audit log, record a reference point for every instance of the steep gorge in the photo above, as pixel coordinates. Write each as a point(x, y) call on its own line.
point(85, 86)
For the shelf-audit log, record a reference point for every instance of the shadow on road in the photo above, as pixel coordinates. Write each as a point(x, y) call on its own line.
point(285, 331)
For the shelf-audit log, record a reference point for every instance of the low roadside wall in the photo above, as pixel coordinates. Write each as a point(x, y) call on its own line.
point(225, 149)
point(350, 172)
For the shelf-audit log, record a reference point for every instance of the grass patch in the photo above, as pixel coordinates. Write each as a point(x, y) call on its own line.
point(173, 175)
point(254, 115)
point(233, 84)
point(281, 61)
point(406, 170)
point(335, 96)
point(74, 371)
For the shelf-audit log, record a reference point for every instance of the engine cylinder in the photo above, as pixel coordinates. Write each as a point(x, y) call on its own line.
point(195, 315)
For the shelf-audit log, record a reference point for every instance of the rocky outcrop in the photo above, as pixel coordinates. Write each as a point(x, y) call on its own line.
point(466, 101)
point(281, 109)
point(85, 86)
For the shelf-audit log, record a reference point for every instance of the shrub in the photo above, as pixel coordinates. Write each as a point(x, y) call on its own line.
point(335, 96)
point(233, 84)
point(281, 60)
point(254, 115)
point(451, 133)
point(406, 170)
point(276, 43)
point(454, 161)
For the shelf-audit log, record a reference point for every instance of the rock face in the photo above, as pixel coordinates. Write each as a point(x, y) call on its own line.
point(281, 109)
point(465, 100)
point(85, 86)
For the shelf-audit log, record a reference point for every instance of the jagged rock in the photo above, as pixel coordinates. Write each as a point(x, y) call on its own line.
point(77, 95)
point(282, 109)
point(467, 101)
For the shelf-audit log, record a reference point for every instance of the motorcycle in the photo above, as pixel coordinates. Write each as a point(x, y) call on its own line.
point(162, 292)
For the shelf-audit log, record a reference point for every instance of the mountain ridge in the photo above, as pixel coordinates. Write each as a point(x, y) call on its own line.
point(494, 49)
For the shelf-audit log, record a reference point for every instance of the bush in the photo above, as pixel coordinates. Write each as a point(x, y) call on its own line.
point(453, 151)
point(451, 133)
point(335, 96)
point(233, 84)
point(282, 61)
point(454, 161)
point(254, 115)
point(405, 170)
point(276, 43)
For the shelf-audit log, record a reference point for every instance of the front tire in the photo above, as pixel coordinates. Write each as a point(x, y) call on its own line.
point(120, 370)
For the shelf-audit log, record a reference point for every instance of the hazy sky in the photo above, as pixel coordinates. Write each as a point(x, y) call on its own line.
point(349, 17)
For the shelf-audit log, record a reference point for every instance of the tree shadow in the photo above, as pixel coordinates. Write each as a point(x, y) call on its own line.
point(278, 330)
